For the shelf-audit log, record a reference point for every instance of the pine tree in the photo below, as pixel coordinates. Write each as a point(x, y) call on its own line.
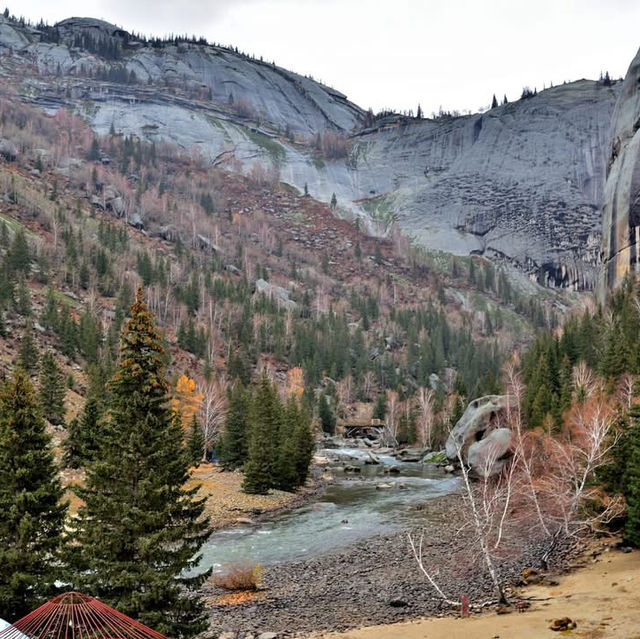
point(49, 315)
point(632, 479)
point(286, 468)
point(52, 390)
point(82, 442)
point(23, 299)
point(327, 418)
point(140, 529)
point(266, 413)
point(71, 444)
point(195, 443)
point(380, 408)
point(494, 102)
point(234, 444)
point(19, 255)
point(31, 512)
point(303, 445)
point(28, 353)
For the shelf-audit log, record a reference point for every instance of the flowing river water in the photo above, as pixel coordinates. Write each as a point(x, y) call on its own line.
point(353, 507)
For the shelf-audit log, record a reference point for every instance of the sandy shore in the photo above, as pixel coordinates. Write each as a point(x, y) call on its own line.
point(227, 505)
point(602, 597)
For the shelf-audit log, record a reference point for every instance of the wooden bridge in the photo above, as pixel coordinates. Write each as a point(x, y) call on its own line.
point(373, 429)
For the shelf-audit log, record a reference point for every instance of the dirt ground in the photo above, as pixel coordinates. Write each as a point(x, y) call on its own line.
point(226, 503)
point(602, 597)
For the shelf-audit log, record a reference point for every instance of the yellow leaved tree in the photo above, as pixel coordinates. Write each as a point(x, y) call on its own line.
point(295, 382)
point(186, 400)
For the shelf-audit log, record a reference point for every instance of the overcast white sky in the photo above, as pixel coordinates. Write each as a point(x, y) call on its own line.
point(450, 53)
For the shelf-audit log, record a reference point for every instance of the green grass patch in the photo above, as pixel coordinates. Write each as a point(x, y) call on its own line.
point(65, 299)
point(291, 188)
point(14, 225)
point(381, 209)
point(275, 150)
point(318, 162)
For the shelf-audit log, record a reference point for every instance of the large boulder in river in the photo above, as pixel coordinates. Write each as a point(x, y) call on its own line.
point(482, 415)
point(488, 456)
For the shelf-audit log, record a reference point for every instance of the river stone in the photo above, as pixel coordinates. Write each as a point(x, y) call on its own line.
point(268, 635)
point(435, 457)
point(411, 454)
point(488, 456)
point(481, 415)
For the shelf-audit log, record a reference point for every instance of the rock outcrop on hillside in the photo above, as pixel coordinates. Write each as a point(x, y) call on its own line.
point(521, 182)
point(621, 209)
point(253, 88)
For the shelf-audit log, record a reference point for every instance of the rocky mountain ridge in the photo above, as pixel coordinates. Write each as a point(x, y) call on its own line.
point(520, 183)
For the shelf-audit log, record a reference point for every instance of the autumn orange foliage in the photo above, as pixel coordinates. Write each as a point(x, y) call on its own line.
point(295, 382)
point(186, 401)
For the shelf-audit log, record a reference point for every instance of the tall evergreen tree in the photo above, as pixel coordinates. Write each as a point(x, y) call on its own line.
point(28, 352)
point(327, 418)
point(234, 444)
point(195, 443)
point(632, 479)
point(140, 529)
point(380, 408)
point(52, 389)
point(82, 442)
point(286, 469)
point(266, 414)
point(31, 512)
point(19, 255)
point(303, 445)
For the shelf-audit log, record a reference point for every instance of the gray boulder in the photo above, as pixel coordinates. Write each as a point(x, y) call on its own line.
point(482, 415)
point(278, 293)
point(410, 454)
point(116, 205)
point(135, 220)
point(8, 150)
point(488, 456)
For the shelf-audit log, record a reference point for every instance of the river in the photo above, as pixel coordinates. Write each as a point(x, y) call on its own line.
point(353, 507)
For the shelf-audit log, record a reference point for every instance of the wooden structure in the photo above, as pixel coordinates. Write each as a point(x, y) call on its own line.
point(76, 616)
point(373, 429)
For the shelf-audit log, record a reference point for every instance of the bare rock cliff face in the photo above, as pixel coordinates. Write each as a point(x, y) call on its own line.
point(522, 182)
point(621, 210)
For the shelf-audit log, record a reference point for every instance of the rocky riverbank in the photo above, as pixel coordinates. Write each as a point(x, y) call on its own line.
point(375, 581)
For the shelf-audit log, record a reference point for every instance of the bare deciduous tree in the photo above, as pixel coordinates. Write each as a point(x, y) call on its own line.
point(212, 413)
point(425, 420)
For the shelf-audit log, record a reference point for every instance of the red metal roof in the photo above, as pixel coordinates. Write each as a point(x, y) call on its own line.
point(76, 616)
